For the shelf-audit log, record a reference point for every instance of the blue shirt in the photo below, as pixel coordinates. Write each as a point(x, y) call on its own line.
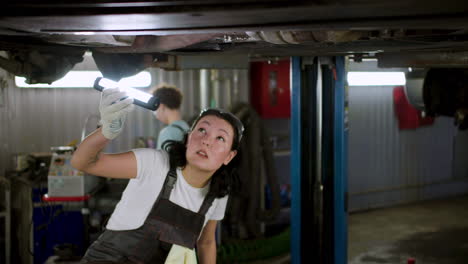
point(173, 132)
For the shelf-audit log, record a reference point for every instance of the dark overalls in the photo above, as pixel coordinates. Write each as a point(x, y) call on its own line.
point(166, 224)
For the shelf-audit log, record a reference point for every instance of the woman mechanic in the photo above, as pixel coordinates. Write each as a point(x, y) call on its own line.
point(174, 198)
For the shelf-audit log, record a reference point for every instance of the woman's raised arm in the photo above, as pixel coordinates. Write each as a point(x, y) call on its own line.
point(114, 107)
point(89, 158)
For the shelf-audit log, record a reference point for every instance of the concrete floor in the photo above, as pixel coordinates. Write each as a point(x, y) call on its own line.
point(431, 232)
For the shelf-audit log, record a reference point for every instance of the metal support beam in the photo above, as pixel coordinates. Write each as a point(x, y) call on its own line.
point(312, 178)
point(205, 77)
point(328, 213)
point(306, 160)
point(422, 59)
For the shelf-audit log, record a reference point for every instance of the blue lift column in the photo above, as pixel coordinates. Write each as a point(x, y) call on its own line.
point(318, 160)
point(340, 152)
point(296, 205)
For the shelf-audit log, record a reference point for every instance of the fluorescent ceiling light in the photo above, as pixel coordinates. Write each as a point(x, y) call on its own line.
point(86, 33)
point(85, 79)
point(376, 78)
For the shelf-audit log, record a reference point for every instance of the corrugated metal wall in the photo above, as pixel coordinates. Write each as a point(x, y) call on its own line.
point(388, 166)
point(33, 120)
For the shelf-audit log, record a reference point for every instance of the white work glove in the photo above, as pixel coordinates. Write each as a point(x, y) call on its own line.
point(114, 111)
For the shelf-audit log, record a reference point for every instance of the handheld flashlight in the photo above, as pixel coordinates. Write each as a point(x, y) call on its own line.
point(140, 98)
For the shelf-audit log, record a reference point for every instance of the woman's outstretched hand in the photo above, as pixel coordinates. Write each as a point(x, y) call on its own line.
point(114, 107)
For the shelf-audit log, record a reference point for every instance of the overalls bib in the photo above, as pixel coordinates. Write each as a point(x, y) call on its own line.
point(166, 224)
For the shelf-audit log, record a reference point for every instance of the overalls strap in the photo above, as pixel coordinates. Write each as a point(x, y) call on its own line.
point(169, 183)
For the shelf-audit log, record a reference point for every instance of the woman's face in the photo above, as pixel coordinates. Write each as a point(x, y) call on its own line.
point(209, 144)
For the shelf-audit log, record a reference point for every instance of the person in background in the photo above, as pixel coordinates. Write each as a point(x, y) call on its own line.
point(174, 197)
point(168, 112)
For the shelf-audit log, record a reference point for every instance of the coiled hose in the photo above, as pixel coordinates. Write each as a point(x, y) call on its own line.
point(258, 249)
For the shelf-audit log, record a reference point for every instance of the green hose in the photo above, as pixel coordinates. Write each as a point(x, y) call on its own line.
point(259, 249)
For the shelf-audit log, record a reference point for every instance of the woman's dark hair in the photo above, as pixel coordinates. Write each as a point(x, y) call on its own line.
point(226, 179)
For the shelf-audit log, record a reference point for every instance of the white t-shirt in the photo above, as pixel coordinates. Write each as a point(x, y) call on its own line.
point(141, 193)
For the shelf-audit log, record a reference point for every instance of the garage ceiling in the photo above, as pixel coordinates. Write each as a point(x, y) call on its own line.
point(258, 29)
